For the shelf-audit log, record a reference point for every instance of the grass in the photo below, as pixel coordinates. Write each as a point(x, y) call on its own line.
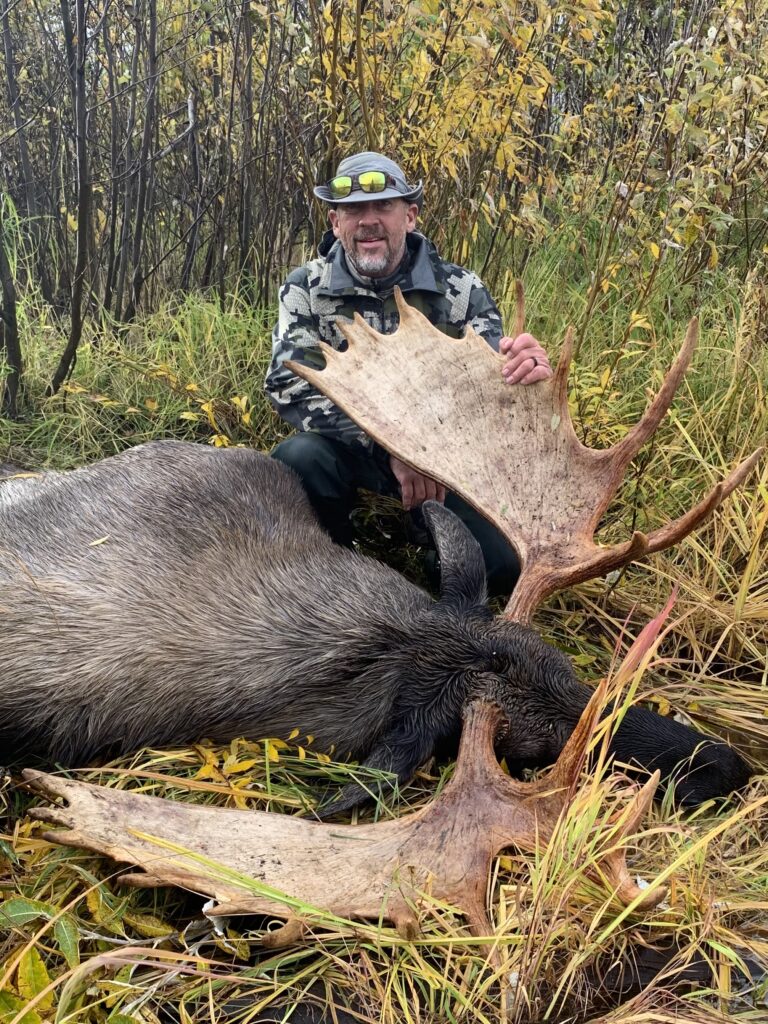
point(79, 947)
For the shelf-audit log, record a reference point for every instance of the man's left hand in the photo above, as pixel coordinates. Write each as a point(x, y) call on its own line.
point(527, 362)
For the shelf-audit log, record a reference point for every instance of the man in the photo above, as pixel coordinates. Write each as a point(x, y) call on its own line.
point(372, 246)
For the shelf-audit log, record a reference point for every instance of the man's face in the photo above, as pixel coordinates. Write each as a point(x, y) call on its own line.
point(373, 233)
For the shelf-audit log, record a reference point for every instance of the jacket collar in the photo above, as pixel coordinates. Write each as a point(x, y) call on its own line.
point(421, 270)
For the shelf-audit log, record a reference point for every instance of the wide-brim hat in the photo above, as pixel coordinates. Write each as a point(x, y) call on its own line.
point(360, 162)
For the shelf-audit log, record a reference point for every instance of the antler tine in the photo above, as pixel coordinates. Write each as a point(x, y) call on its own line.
point(519, 307)
point(560, 382)
point(569, 764)
point(408, 314)
point(668, 535)
point(623, 452)
point(613, 864)
point(351, 333)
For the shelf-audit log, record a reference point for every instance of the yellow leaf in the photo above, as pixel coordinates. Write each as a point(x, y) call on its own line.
point(294, 734)
point(272, 752)
point(147, 925)
point(240, 766)
point(150, 404)
point(655, 250)
point(71, 222)
point(32, 978)
point(663, 705)
point(101, 540)
point(640, 320)
point(189, 416)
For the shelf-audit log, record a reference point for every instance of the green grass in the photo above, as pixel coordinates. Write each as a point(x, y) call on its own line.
point(195, 371)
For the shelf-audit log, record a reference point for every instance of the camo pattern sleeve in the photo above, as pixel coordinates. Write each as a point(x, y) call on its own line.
point(296, 336)
point(471, 305)
point(483, 315)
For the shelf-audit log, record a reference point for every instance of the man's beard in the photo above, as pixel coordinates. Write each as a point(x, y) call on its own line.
point(372, 263)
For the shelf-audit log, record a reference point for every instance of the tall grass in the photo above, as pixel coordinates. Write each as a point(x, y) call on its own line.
point(79, 947)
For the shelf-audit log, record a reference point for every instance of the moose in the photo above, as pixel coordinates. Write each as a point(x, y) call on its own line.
point(174, 592)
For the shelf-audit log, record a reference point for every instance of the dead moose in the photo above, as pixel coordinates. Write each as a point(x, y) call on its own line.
point(175, 592)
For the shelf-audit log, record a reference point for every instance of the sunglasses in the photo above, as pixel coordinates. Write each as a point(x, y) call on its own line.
point(369, 181)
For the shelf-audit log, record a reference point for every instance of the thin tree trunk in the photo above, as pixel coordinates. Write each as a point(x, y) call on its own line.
point(28, 180)
point(245, 219)
point(114, 159)
point(197, 187)
point(124, 251)
point(77, 71)
point(145, 164)
point(9, 334)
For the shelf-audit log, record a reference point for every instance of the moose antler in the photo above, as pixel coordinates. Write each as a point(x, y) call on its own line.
point(452, 416)
point(372, 871)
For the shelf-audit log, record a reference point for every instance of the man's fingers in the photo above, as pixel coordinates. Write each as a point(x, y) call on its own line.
point(419, 488)
point(431, 489)
point(415, 488)
point(406, 492)
point(513, 346)
point(527, 364)
point(532, 376)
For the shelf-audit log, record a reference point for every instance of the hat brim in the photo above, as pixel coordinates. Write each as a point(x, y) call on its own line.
point(413, 195)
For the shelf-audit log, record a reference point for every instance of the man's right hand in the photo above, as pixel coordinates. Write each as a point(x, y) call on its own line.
point(415, 488)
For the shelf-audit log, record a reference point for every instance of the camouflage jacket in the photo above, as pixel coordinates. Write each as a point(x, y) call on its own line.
point(315, 295)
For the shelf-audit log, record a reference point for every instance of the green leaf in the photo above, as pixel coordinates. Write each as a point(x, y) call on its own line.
point(67, 936)
point(9, 1009)
point(32, 977)
point(20, 911)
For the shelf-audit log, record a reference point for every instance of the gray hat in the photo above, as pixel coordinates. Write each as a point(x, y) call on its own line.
point(360, 162)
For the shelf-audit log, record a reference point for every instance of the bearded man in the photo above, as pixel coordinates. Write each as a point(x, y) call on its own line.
point(371, 247)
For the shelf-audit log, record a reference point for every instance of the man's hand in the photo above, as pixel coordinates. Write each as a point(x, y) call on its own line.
point(414, 487)
point(527, 362)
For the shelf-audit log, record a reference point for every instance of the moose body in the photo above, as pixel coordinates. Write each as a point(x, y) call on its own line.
point(175, 592)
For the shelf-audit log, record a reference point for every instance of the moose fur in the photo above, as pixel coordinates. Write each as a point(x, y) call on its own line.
point(175, 592)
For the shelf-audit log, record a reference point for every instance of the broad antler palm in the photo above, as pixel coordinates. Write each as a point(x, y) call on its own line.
point(441, 405)
point(376, 871)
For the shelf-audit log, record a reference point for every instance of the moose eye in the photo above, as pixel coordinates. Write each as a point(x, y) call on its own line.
point(498, 663)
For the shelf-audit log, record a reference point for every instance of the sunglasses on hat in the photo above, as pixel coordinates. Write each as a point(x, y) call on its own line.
point(369, 181)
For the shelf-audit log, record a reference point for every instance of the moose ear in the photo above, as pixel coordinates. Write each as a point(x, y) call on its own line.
point(462, 566)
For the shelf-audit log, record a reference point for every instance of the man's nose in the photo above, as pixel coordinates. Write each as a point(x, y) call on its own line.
point(368, 215)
